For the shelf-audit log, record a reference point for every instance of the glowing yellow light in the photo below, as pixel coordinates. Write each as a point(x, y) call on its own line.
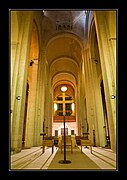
point(73, 106)
point(63, 88)
point(55, 107)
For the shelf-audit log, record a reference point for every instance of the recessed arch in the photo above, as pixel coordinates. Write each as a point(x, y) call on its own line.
point(64, 45)
point(63, 57)
point(65, 34)
point(65, 76)
point(64, 64)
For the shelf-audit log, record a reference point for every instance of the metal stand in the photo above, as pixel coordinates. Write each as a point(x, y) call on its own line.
point(94, 142)
point(64, 161)
point(43, 134)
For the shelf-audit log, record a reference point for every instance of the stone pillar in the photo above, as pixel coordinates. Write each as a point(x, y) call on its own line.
point(81, 100)
point(31, 118)
point(41, 99)
point(99, 123)
point(77, 129)
point(37, 122)
point(78, 107)
point(48, 103)
point(105, 59)
point(89, 93)
point(14, 71)
point(15, 58)
point(20, 95)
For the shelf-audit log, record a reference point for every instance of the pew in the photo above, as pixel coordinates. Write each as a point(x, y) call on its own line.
point(48, 143)
point(86, 143)
point(68, 143)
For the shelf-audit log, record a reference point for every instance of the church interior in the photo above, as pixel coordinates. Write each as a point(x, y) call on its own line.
point(63, 89)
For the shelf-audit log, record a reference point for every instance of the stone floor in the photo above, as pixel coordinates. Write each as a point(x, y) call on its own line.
point(34, 159)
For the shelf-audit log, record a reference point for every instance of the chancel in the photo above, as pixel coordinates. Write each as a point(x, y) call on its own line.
point(63, 89)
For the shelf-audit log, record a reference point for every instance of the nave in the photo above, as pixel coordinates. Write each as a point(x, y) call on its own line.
point(63, 83)
point(34, 159)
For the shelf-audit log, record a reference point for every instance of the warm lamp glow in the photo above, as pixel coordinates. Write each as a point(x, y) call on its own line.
point(72, 107)
point(63, 88)
point(55, 107)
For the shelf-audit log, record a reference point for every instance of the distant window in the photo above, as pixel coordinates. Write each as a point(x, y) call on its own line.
point(56, 132)
point(68, 98)
point(59, 98)
point(72, 132)
point(62, 131)
point(59, 113)
point(68, 106)
point(60, 106)
point(68, 113)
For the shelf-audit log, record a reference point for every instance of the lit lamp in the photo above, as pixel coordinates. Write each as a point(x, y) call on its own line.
point(55, 108)
point(72, 108)
point(113, 96)
point(64, 89)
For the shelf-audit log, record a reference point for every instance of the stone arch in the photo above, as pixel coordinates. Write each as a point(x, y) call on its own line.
point(64, 34)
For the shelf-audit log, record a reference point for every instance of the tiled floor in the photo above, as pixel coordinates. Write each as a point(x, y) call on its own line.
point(34, 159)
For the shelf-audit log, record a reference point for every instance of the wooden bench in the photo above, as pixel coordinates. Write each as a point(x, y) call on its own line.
point(86, 143)
point(68, 143)
point(48, 143)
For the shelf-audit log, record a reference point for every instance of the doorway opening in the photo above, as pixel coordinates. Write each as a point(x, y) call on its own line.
point(62, 131)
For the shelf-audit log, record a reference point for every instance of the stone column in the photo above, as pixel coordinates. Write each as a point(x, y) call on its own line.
point(14, 68)
point(31, 118)
point(37, 123)
point(99, 121)
point(81, 99)
point(89, 93)
point(43, 80)
point(78, 106)
point(20, 95)
point(105, 58)
point(47, 105)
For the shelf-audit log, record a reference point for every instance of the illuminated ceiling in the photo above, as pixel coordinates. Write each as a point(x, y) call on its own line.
point(63, 34)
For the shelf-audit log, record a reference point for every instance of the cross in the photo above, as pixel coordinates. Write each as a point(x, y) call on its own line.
point(64, 102)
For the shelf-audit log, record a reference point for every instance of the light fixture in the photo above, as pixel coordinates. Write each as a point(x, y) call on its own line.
point(55, 107)
point(18, 97)
point(113, 96)
point(63, 88)
point(42, 12)
point(31, 62)
point(72, 106)
point(96, 61)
